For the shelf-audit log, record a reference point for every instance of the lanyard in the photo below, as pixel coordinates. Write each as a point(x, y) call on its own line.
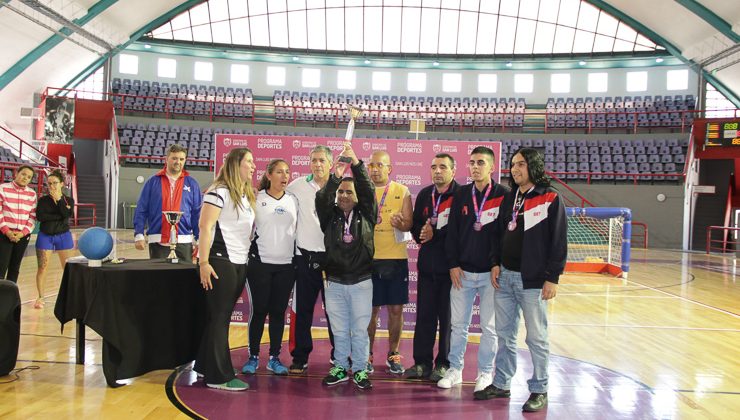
point(518, 207)
point(382, 199)
point(479, 211)
point(435, 203)
point(348, 222)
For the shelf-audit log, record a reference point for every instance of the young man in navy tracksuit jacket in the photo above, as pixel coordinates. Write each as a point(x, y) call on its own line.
point(528, 260)
point(471, 233)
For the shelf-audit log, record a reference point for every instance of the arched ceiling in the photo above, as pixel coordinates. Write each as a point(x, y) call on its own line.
point(49, 43)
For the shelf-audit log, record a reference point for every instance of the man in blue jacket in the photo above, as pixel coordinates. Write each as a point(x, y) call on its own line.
point(528, 261)
point(170, 189)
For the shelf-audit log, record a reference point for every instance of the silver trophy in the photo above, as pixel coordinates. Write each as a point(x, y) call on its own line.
point(354, 113)
point(173, 218)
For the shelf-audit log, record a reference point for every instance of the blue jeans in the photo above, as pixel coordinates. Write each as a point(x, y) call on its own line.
point(510, 297)
point(461, 310)
point(349, 308)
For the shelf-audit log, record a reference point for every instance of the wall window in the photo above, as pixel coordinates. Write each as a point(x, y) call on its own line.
point(560, 83)
point(417, 82)
point(637, 81)
point(452, 82)
point(346, 79)
point(128, 64)
point(523, 83)
point(167, 67)
point(203, 71)
point(487, 83)
point(311, 78)
point(677, 79)
point(381, 80)
point(598, 82)
point(276, 76)
point(239, 73)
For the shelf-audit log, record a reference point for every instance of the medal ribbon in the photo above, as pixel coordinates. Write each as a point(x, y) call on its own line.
point(348, 222)
point(382, 199)
point(435, 204)
point(479, 211)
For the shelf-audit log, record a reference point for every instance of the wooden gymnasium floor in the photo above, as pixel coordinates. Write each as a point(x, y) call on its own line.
point(673, 326)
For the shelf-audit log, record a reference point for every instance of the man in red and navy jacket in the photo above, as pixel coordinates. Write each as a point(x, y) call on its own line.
point(528, 261)
point(170, 189)
point(429, 229)
point(17, 220)
point(471, 232)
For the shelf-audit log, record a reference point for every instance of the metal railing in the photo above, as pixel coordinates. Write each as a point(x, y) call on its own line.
point(644, 235)
point(84, 221)
point(725, 239)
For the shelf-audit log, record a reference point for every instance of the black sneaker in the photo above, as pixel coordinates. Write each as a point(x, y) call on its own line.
point(394, 363)
point(362, 380)
point(536, 402)
point(337, 374)
point(438, 373)
point(418, 372)
point(297, 368)
point(491, 391)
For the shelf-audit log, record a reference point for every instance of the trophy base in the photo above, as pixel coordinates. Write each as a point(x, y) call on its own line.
point(94, 263)
point(173, 260)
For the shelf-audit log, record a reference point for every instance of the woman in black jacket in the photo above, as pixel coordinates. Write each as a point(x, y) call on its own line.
point(52, 211)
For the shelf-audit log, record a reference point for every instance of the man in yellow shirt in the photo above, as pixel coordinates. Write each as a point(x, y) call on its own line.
point(390, 264)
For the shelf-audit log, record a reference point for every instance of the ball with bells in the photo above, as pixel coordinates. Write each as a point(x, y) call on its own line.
point(95, 244)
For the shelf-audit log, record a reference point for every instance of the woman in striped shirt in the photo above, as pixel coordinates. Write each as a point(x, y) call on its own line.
point(17, 220)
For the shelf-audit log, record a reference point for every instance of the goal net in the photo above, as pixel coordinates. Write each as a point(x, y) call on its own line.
point(599, 240)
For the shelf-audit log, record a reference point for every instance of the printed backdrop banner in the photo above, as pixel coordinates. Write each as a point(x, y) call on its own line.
point(410, 160)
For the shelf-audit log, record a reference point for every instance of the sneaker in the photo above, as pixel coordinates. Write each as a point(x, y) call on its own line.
point(418, 372)
point(298, 368)
point(394, 363)
point(452, 377)
point(362, 380)
point(233, 385)
point(438, 373)
point(536, 402)
point(251, 366)
point(275, 366)
point(336, 375)
point(482, 381)
point(491, 391)
point(369, 368)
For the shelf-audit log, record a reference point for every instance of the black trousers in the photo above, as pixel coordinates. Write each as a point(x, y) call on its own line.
point(309, 283)
point(432, 309)
point(214, 356)
point(183, 251)
point(269, 286)
point(11, 255)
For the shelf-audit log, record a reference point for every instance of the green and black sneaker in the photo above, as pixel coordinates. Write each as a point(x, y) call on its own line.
point(336, 375)
point(362, 380)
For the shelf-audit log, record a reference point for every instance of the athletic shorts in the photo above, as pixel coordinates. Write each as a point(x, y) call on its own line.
point(390, 282)
point(56, 242)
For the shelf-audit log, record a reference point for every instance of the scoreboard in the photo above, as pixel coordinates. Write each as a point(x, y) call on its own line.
point(723, 133)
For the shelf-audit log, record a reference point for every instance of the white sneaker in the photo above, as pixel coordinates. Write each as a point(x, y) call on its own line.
point(452, 377)
point(482, 381)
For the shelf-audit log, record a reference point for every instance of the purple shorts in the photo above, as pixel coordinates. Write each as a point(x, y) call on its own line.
point(57, 242)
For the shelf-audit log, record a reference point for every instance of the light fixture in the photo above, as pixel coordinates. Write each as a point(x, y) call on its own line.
point(435, 64)
point(509, 64)
point(295, 58)
point(658, 60)
point(660, 197)
point(140, 179)
point(367, 61)
point(581, 63)
point(147, 46)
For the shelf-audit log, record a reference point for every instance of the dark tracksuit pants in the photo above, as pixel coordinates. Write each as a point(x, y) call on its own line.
point(269, 287)
point(11, 255)
point(432, 309)
point(309, 283)
point(214, 355)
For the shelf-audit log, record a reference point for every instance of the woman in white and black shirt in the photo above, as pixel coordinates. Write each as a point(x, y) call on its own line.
point(271, 272)
point(226, 221)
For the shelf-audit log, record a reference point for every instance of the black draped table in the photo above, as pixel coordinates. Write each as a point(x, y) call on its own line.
point(150, 313)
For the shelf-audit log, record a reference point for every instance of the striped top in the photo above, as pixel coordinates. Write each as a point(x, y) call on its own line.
point(17, 208)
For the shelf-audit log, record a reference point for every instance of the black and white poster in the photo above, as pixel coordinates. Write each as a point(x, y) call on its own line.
point(60, 119)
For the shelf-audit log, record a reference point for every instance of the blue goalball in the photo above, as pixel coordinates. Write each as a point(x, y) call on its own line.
point(95, 243)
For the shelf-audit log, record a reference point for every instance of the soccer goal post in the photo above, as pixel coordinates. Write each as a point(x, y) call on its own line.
point(599, 240)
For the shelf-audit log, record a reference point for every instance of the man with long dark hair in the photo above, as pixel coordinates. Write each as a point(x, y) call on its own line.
point(528, 261)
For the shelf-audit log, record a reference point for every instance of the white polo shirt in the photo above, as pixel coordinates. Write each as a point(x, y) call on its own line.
point(233, 227)
point(309, 237)
point(275, 231)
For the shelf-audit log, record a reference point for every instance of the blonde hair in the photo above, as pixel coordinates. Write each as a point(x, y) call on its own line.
point(228, 176)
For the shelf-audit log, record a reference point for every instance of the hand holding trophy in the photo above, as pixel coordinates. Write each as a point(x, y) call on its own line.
point(173, 218)
point(354, 113)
